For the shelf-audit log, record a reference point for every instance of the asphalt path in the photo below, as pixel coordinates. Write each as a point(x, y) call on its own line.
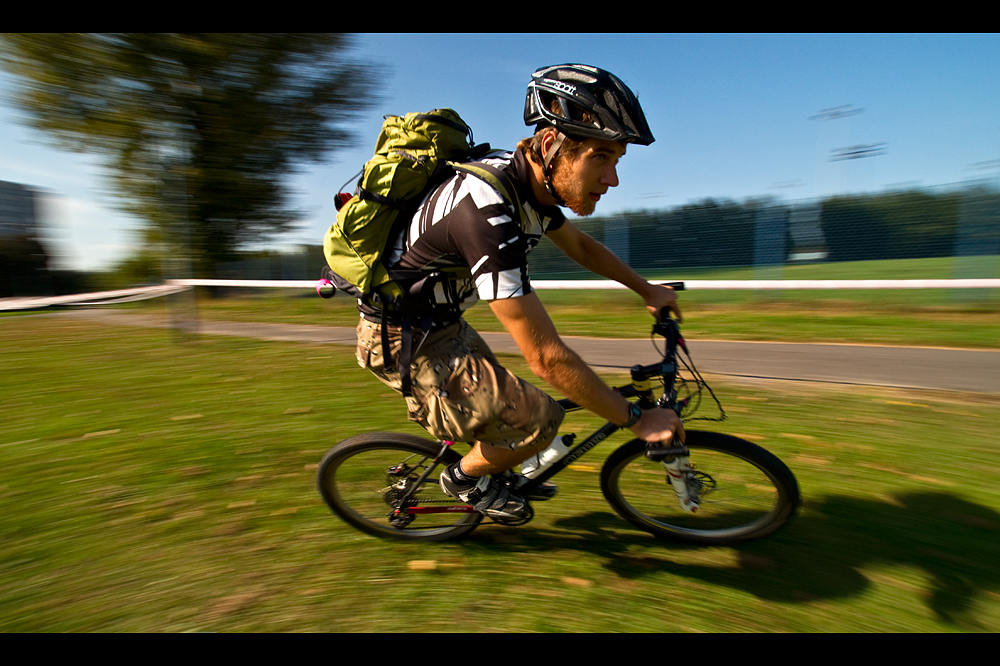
point(902, 367)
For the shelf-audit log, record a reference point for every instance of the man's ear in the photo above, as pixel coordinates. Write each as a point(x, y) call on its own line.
point(551, 142)
point(547, 138)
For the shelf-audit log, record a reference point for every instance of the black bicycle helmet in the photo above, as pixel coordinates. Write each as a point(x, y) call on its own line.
point(584, 88)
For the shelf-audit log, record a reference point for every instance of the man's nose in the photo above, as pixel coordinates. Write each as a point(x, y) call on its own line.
point(610, 177)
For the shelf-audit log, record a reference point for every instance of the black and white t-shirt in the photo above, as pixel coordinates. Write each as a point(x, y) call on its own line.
point(465, 223)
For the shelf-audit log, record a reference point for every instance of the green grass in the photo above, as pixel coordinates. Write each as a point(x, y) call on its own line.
point(151, 485)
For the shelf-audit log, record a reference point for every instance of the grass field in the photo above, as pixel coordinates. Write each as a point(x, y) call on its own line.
point(153, 485)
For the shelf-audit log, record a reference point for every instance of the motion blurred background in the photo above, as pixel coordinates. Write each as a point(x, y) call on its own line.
point(155, 480)
point(128, 159)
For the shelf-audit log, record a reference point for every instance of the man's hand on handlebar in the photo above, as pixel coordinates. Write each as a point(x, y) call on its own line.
point(659, 299)
point(661, 426)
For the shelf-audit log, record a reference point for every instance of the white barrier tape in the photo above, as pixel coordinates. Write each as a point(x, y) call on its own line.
point(97, 298)
point(688, 284)
point(293, 284)
point(781, 284)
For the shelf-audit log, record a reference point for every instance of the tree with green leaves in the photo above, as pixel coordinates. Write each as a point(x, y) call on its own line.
point(199, 132)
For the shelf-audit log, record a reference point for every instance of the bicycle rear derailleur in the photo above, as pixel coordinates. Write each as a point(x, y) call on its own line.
point(400, 518)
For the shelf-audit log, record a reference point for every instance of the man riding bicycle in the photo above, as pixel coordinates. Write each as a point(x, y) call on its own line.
point(584, 118)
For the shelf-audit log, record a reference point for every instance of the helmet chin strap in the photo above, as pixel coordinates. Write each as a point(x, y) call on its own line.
point(547, 167)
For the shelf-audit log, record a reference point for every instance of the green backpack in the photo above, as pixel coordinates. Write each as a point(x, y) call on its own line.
point(414, 154)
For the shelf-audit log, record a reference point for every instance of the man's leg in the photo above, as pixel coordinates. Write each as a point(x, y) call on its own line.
point(508, 420)
point(486, 459)
point(471, 480)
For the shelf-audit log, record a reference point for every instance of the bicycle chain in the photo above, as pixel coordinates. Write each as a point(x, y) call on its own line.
point(391, 497)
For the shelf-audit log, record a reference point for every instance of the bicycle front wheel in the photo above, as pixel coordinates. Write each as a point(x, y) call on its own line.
point(365, 478)
point(745, 491)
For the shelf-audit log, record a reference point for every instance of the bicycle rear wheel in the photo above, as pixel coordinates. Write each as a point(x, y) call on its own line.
point(363, 478)
point(746, 492)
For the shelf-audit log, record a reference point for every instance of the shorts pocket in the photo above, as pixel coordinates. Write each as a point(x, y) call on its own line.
point(364, 356)
point(462, 405)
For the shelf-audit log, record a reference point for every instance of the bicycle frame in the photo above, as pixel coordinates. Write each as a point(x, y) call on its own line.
point(575, 452)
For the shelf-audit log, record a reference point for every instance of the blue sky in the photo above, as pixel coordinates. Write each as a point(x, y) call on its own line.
point(731, 114)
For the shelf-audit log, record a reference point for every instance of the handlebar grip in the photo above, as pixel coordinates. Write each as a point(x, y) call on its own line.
point(653, 453)
point(664, 314)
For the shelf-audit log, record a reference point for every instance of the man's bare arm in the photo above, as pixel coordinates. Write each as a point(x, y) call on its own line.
point(548, 356)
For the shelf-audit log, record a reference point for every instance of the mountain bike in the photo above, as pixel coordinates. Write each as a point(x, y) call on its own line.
point(713, 489)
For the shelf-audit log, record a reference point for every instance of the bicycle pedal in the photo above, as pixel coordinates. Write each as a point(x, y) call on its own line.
point(544, 492)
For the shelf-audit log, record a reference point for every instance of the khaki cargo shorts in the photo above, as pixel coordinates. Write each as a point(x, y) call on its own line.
point(460, 392)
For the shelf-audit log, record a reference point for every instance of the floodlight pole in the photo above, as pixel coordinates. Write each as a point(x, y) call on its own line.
point(833, 113)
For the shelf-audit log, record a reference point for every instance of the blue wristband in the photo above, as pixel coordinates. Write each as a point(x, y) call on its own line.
point(634, 414)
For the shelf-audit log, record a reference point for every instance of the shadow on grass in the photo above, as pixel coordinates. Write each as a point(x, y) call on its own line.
point(819, 555)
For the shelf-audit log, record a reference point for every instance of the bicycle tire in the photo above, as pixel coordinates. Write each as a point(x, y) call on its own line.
point(354, 481)
point(754, 493)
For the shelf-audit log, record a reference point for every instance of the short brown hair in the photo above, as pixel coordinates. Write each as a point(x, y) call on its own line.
point(532, 146)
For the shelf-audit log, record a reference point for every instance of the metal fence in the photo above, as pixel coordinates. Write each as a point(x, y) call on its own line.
point(963, 224)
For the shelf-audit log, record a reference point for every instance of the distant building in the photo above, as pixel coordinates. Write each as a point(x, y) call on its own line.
point(17, 210)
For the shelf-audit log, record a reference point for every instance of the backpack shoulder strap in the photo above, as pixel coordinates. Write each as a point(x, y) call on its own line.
point(495, 178)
